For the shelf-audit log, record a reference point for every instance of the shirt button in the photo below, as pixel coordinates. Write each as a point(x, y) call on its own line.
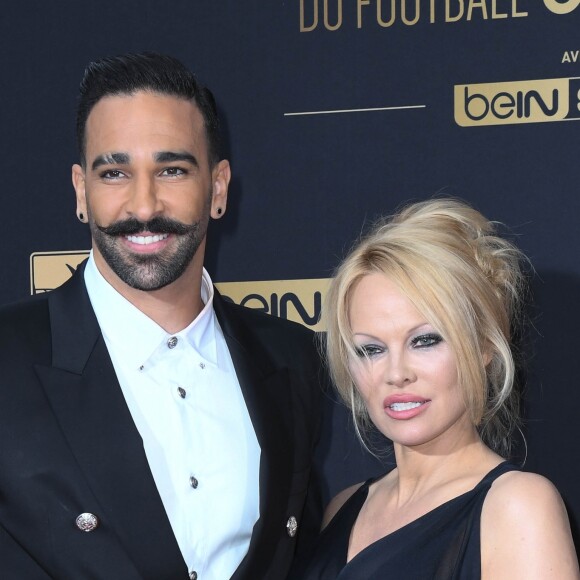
point(182, 392)
point(291, 526)
point(87, 522)
point(193, 575)
point(193, 482)
point(172, 342)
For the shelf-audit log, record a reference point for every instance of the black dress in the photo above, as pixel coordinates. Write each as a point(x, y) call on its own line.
point(442, 544)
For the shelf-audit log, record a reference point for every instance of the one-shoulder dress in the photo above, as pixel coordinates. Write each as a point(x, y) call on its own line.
point(443, 544)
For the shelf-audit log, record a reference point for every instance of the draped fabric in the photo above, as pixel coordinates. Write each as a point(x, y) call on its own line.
point(443, 544)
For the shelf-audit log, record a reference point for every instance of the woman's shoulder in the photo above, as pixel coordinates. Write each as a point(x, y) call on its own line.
point(525, 528)
point(343, 496)
point(338, 501)
point(519, 490)
point(523, 499)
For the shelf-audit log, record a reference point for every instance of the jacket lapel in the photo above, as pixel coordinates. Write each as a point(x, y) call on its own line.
point(266, 392)
point(87, 400)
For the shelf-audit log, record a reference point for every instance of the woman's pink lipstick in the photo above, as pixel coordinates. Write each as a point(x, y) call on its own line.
point(405, 406)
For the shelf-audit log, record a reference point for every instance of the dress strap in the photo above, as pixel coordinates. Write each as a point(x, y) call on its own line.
point(497, 471)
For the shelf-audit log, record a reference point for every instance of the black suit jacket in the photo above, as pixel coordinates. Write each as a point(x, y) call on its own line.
point(68, 445)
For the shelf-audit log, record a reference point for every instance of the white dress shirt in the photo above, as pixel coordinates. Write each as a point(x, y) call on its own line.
point(185, 399)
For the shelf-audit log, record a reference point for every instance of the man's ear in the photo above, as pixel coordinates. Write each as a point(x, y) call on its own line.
point(221, 175)
point(78, 180)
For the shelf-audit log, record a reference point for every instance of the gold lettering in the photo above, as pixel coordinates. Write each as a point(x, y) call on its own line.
point(458, 16)
point(360, 4)
point(380, 14)
point(303, 27)
point(558, 7)
point(494, 13)
point(388, 12)
point(477, 4)
point(515, 13)
point(338, 24)
point(404, 13)
point(570, 56)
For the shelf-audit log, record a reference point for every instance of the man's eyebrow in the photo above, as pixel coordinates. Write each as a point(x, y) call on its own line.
point(110, 159)
point(172, 156)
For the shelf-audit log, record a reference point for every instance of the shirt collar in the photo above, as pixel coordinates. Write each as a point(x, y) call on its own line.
point(133, 334)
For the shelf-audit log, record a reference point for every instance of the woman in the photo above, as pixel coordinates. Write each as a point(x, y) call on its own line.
point(420, 317)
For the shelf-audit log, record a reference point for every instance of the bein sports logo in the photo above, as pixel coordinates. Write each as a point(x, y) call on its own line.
point(510, 103)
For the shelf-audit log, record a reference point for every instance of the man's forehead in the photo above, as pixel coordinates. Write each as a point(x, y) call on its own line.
point(121, 117)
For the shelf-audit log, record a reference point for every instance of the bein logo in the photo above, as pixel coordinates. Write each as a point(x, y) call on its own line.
point(516, 102)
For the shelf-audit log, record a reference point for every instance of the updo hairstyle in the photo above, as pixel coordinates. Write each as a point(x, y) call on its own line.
point(468, 282)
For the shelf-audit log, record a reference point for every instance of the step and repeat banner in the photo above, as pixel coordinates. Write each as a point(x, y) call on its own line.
point(335, 112)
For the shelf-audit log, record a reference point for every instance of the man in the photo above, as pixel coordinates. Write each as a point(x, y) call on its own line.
point(148, 428)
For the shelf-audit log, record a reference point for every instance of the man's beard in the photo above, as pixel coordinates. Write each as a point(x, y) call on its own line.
point(148, 271)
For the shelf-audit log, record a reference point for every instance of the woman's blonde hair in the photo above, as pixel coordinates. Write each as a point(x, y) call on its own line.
point(468, 283)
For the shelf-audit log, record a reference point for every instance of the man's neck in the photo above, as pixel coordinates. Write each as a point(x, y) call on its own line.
point(172, 307)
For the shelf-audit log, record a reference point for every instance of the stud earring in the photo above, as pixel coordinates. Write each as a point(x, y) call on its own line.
point(81, 217)
point(219, 211)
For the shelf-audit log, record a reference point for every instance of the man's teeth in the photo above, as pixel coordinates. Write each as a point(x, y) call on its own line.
point(144, 240)
point(404, 406)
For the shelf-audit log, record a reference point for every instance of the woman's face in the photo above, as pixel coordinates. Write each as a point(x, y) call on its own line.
point(404, 370)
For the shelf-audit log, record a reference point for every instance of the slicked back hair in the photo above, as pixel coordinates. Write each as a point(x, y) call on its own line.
point(157, 73)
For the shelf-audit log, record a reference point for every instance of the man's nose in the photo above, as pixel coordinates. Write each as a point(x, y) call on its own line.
point(143, 202)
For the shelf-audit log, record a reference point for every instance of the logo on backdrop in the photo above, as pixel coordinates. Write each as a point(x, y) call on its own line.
point(48, 270)
point(562, 6)
point(510, 103)
point(297, 300)
point(332, 15)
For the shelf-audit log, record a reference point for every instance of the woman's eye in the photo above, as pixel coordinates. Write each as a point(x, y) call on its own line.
point(368, 350)
point(425, 340)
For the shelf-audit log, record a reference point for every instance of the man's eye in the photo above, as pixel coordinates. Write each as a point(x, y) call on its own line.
point(173, 171)
point(368, 350)
point(426, 340)
point(112, 174)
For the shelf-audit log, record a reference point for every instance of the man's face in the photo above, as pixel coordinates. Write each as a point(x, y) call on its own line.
point(148, 190)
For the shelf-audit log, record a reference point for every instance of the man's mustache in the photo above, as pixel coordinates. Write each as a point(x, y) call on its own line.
point(157, 225)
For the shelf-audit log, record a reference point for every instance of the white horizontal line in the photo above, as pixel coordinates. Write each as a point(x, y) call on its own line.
point(355, 110)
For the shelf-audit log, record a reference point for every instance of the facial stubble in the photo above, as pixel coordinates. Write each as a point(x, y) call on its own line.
point(149, 271)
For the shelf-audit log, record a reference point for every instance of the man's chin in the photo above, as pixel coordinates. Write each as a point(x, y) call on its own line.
point(146, 278)
point(147, 285)
point(150, 269)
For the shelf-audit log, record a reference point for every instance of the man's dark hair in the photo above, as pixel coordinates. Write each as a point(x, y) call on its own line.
point(129, 73)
